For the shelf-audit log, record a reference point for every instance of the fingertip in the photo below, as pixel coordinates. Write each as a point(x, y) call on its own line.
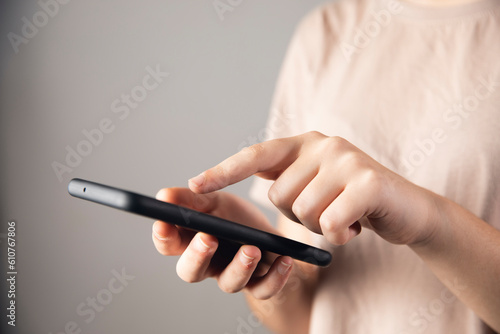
point(162, 194)
point(286, 260)
point(195, 260)
point(252, 251)
point(273, 282)
point(211, 180)
point(167, 239)
point(196, 183)
point(162, 231)
point(208, 241)
point(284, 265)
point(250, 255)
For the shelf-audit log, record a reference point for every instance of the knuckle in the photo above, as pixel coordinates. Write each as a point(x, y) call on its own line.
point(328, 223)
point(253, 152)
point(301, 209)
point(332, 146)
point(314, 135)
point(353, 161)
point(276, 197)
point(336, 143)
point(227, 288)
point(333, 230)
point(372, 178)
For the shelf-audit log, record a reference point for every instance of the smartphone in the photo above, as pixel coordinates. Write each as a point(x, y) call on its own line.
point(196, 221)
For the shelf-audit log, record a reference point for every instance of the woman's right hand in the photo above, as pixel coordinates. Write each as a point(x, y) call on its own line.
point(203, 256)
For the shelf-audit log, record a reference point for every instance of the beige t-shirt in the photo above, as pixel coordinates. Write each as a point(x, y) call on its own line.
point(418, 89)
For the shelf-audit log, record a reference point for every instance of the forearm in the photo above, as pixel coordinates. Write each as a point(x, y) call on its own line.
point(289, 311)
point(464, 253)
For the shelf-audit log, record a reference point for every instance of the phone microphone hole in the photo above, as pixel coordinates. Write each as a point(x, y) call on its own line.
point(84, 189)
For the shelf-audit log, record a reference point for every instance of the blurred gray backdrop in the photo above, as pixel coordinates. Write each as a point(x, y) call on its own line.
point(84, 92)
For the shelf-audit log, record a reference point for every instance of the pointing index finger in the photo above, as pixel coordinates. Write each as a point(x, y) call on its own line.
point(269, 156)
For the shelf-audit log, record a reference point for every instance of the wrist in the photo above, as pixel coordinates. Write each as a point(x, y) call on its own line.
point(435, 223)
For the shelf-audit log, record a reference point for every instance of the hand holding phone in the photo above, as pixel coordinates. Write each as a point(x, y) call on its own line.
point(196, 221)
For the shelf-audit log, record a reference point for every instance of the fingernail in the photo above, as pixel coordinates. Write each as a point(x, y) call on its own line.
point(245, 259)
point(157, 235)
point(201, 245)
point(283, 267)
point(198, 180)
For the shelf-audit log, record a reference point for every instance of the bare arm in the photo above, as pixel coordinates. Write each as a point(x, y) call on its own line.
point(464, 253)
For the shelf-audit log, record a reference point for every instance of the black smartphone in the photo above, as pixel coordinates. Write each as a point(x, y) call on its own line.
point(197, 221)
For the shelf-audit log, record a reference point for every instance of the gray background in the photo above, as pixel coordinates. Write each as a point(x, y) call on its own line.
point(221, 78)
